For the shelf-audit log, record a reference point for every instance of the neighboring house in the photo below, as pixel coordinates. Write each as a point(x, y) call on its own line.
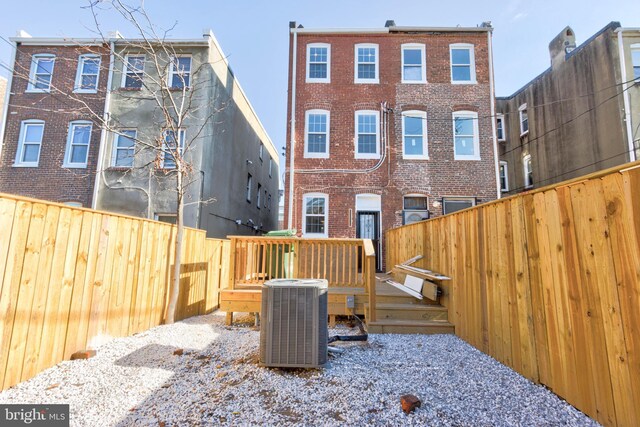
point(50, 145)
point(234, 181)
point(580, 115)
point(387, 126)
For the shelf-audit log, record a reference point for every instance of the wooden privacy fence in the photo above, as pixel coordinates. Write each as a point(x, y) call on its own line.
point(548, 283)
point(68, 275)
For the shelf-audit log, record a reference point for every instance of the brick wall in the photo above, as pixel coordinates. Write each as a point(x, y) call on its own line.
point(439, 176)
point(49, 180)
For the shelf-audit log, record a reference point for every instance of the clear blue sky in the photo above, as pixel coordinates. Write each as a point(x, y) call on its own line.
point(254, 33)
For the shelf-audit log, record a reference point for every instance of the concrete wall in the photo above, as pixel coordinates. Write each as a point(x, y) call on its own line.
point(575, 114)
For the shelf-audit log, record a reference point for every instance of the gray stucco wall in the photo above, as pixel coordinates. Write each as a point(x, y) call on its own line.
point(222, 132)
point(575, 115)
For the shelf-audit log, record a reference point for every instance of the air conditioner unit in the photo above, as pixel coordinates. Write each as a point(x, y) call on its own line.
point(293, 328)
point(409, 217)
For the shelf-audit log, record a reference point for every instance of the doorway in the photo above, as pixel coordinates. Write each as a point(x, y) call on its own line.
point(368, 227)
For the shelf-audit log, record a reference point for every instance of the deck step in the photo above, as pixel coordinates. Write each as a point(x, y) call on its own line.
point(410, 327)
point(396, 311)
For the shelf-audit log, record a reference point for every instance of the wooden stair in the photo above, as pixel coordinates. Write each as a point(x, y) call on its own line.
point(399, 313)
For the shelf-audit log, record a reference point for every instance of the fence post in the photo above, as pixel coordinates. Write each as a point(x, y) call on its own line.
point(370, 277)
point(233, 250)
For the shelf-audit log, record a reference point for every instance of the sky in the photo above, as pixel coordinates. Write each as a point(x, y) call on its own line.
point(254, 33)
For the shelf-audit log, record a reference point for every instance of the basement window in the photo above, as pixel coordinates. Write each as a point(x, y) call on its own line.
point(454, 204)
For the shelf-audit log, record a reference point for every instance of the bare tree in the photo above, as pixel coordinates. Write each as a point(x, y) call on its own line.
point(179, 94)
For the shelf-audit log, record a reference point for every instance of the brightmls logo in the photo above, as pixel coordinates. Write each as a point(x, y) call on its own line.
point(34, 415)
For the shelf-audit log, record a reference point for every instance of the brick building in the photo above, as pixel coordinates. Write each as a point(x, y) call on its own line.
point(387, 127)
point(50, 143)
point(82, 127)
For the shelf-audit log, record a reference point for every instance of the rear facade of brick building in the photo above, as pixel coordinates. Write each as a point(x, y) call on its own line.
point(362, 197)
point(52, 176)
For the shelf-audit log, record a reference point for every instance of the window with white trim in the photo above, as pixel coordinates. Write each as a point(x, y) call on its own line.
point(318, 63)
point(123, 148)
point(415, 203)
point(133, 71)
point(78, 139)
point(88, 73)
point(465, 135)
point(249, 185)
point(367, 138)
point(463, 66)
point(524, 119)
point(635, 61)
point(316, 134)
point(166, 217)
point(30, 142)
point(366, 63)
point(259, 195)
point(500, 129)
point(172, 147)
point(454, 204)
point(414, 135)
point(180, 72)
point(504, 176)
point(527, 168)
point(414, 69)
point(315, 215)
point(41, 73)
point(261, 151)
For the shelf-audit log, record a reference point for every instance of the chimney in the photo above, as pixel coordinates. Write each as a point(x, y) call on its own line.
point(561, 45)
point(23, 33)
point(390, 23)
point(292, 24)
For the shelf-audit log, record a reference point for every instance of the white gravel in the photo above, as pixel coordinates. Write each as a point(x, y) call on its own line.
point(138, 381)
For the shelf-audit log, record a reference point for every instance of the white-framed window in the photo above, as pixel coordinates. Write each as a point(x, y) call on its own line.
point(318, 63)
point(169, 218)
point(500, 128)
point(504, 176)
point(524, 119)
point(29, 143)
point(41, 72)
point(414, 68)
point(180, 72)
point(527, 169)
point(249, 185)
point(88, 73)
point(133, 71)
point(635, 61)
point(123, 148)
point(453, 204)
point(367, 138)
point(261, 151)
point(315, 215)
point(463, 65)
point(171, 147)
point(270, 166)
point(78, 139)
point(259, 195)
point(316, 134)
point(466, 140)
point(414, 135)
point(366, 63)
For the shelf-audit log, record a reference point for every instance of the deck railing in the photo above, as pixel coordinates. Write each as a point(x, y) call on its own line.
point(344, 263)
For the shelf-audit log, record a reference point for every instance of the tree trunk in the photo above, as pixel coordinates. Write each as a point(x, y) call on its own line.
point(175, 286)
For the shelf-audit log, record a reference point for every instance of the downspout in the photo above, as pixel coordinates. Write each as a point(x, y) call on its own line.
point(292, 137)
point(493, 116)
point(7, 96)
point(625, 97)
point(103, 134)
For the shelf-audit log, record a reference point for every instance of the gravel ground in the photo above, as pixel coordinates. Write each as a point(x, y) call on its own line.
point(139, 381)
